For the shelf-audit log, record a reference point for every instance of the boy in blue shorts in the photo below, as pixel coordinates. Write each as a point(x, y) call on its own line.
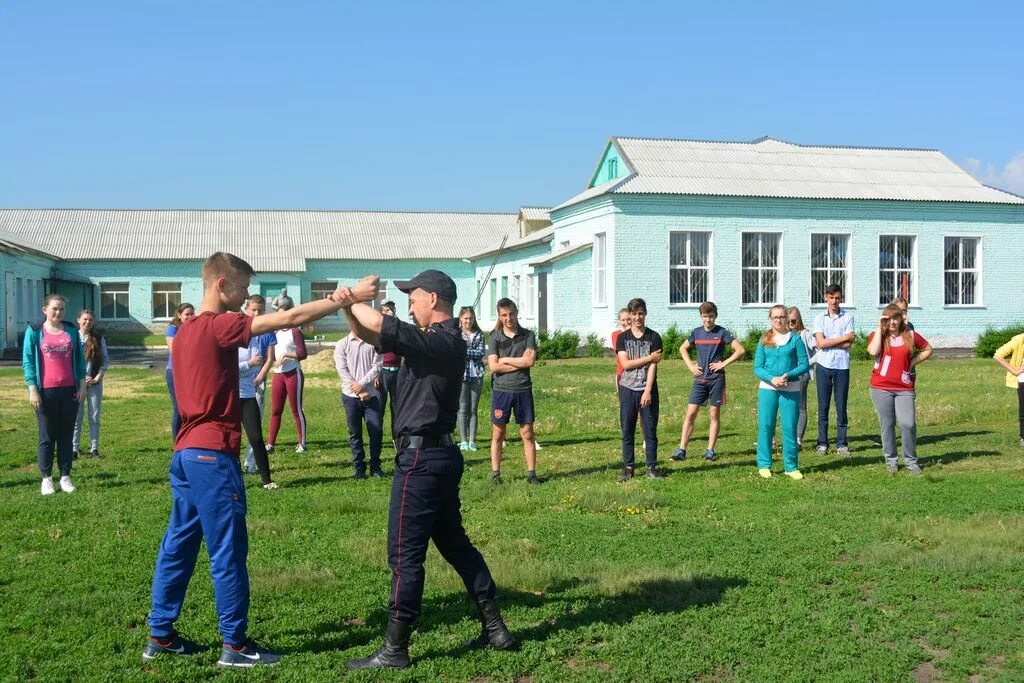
point(511, 352)
point(207, 491)
point(708, 389)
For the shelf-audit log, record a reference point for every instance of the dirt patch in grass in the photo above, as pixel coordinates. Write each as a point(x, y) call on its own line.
point(925, 673)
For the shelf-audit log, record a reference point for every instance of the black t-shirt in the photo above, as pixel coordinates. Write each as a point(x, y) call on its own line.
point(637, 347)
point(429, 383)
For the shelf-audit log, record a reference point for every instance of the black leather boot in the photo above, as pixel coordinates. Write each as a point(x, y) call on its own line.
point(393, 654)
point(493, 633)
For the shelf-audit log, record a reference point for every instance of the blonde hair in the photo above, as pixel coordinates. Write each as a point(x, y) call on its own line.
point(793, 310)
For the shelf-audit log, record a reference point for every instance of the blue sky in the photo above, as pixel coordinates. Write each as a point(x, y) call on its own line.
point(472, 105)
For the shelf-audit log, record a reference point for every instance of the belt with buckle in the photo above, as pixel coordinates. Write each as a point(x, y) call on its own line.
point(425, 441)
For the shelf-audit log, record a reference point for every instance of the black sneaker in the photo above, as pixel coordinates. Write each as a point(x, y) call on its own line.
point(376, 472)
point(359, 474)
point(74, 455)
point(175, 645)
point(270, 448)
point(626, 474)
point(531, 478)
point(246, 656)
point(679, 455)
point(653, 473)
point(495, 477)
point(94, 453)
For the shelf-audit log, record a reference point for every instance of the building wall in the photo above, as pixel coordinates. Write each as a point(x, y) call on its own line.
point(571, 279)
point(641, 226)
point(20, 306)
point(579, 225)
point(510, 264)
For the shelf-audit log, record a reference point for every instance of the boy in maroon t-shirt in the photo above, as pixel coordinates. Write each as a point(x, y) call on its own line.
point(207, 491)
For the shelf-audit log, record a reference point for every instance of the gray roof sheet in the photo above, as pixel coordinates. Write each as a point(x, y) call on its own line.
point(15, 242)
point(271, 241)
point(542, 235)
point(774, 168)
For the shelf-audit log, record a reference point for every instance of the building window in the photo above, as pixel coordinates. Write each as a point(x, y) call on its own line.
point(600, 269)
point(896, 268)
point(613, 169)
point(504, 286)
point(962, 270)
point(527, 303)
point(689, 267)
point(494, 296)
point(321, 289)
point(516, 291)
point(114, 301)
point(382, 295)
point(830, 264)
point(166, 299)
point(761, 266)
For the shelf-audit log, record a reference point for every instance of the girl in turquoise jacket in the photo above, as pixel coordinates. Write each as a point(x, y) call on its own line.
point(780, 360)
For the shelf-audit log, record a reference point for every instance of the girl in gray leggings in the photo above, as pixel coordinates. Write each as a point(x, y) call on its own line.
point(892, 384)
point(473, 380)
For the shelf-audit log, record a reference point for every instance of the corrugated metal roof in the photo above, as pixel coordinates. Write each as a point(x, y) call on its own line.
point(774, 168)
point(542, 235)
point(558, 255)
point(271, 241)
point(16, 242)
point(535, 213)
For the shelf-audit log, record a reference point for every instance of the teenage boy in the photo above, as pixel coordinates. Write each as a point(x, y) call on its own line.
point(708, 389)
point(511, 352)
point(639, 350)
point(834, 333)
point(359, 366)
point(263, 346)
point(207, 491)
point(624, 323)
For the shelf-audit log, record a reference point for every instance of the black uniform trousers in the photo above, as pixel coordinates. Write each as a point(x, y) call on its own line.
point(425, 505)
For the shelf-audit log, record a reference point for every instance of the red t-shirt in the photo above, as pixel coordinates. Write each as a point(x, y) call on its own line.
point(205, 356)
point(618, 363)
point(892, 367)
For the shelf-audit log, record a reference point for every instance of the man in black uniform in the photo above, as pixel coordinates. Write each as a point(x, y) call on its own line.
point(425, 489)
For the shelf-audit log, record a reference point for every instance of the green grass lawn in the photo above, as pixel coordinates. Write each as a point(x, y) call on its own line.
point(711, 574)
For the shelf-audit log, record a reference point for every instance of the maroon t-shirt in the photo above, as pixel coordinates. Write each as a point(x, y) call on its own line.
point(205, 360)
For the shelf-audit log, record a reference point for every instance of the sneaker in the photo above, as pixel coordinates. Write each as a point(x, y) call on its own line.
point(892, 469)
point(66, 486)
point(913, 469)
point(795, 474)
point(531, 478)
point(764, 473)
point(175, 645)
point(1022, 442)
point(47, 487)
point(377, 472)
point(471, 446)
point(536, 446)
point(463, 445)
point(626, 474)
point(247, 655)
point(359, 474)
point(843, 450)
point(94, 453)
point(270, 487)
point(74, 454)
point(709, 455)
point(799, 444)
point(301, 448)
point(821, 448)
point(679, 455)
point(270, 448)
point(495, 477)
point(653, 473)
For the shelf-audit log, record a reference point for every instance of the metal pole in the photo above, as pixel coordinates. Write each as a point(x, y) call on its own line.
point(490, 270)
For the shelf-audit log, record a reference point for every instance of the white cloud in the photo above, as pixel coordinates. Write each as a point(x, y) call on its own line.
point(1009, 177)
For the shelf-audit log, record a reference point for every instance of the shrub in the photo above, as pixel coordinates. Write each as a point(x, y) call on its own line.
point(595, 346)
point(859, 349)
point(672, 339)
point(557, 344)
point(991, 339)
point(749, 342)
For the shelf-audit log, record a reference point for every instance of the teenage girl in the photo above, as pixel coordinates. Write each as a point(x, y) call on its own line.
point(55, 373)
point(1014, 350)
point(288, 382)
point(473, 378)
point(96, 361)
point(795, 323)
point(780, 360)
point(183, 313)
point(250, 363)
point(392, 363)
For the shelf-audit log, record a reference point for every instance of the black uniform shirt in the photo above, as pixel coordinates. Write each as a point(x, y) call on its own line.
point(429, 383)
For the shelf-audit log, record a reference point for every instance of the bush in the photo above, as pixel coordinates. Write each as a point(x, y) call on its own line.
point(859, 349)
point(595, 346)
point(991, 339)
point(749, 342)
point(672, 339)
point(558, 344)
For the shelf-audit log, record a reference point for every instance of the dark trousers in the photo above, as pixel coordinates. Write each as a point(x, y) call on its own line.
point(175, 417)
point(629, 410)
point(425, 505)
point(56, 418)
point(207, 503)
point(252, 423)
point(832, 383)
point(1020, 407)
point(387, 393)
point(355, 412)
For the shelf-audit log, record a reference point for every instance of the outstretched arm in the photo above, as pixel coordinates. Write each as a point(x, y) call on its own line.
point(364, 290)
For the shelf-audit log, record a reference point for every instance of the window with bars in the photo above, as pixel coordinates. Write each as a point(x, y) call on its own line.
point(897, 276)
point(962, 271)
point(114, 301)
point(761, 266)
point(830, 264)
point(689, 268)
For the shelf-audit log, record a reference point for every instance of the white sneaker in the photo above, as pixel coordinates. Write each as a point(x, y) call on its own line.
point(47, 487)
point(536, 446)
point(300, 448)
point(65, 485)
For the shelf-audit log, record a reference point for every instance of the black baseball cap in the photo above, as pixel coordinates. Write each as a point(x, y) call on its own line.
point(430, 281)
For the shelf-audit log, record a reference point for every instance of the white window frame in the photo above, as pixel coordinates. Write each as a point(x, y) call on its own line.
point(169, 310)
point(493, 290)
point(710, 266)
point(978, 270)
point(319, 289)
point(915, 272)
point(847, 285)
point(599, 276)
point(513, 290)
point(527, 303)
point(127, 298)
point(779, 266)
